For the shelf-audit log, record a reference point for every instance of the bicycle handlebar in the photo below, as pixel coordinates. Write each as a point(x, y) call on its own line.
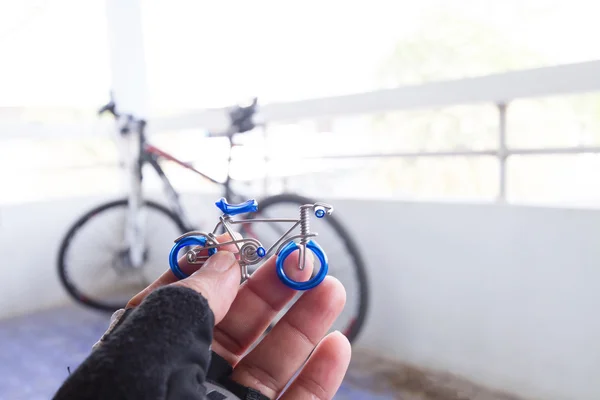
point(124, 128)
point(109, 107)
point(240, 116)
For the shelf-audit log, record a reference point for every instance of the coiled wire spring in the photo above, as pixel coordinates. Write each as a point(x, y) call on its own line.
point(305, 232)
point(304, 223)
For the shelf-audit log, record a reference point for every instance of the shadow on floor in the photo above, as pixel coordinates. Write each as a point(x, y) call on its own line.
point(401, 381)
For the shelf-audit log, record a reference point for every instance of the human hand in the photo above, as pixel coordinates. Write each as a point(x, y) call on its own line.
point(243, 313)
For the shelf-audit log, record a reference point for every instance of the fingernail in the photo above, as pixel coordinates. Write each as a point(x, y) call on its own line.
point(237, 236)
point(220, 261)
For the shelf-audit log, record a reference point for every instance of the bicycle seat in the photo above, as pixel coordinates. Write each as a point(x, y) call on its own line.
point(234, 209)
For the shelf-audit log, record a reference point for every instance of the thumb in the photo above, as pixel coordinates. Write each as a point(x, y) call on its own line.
point(218, 281)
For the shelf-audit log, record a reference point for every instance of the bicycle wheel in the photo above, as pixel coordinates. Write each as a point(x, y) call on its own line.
point(93, 260)
point(345, 261)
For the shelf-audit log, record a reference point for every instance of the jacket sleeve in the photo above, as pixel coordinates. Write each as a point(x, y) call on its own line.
point(158, 350)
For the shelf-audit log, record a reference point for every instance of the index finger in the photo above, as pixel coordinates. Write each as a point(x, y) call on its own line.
point(258, 302)
point(168, 277)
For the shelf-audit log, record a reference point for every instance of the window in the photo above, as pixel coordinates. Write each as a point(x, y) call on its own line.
point(211, 54)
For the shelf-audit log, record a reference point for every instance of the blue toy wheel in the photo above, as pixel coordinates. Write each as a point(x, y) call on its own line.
point(188, 241)
point(317, 279)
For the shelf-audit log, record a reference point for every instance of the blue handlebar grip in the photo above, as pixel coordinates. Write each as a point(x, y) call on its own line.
point(235, 209)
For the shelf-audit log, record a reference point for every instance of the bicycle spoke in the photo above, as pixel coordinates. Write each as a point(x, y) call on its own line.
point(110, 231)
point(90, 268)
point(103, 272)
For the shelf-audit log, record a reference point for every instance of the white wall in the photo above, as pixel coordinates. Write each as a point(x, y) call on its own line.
point(502, 295)
point(506, 296)
point(29, 238)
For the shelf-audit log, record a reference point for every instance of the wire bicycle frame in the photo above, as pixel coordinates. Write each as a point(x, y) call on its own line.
point(251, 250)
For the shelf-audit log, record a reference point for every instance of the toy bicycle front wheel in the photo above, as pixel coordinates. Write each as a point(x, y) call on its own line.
point(314, 281)
point(185, 242)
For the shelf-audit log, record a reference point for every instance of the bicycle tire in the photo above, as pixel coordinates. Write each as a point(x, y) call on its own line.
point(63, 274)
point(352, 332)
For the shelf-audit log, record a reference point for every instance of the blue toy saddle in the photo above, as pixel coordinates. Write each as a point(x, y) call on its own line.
point(235, 209)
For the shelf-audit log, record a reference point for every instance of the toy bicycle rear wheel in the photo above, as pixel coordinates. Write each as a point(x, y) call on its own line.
point(190, 241)
point(343, 254)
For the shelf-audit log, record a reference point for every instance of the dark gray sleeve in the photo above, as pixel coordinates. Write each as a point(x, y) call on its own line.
point(158, 350)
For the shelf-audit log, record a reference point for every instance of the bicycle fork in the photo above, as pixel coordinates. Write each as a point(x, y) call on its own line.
point(134, 226)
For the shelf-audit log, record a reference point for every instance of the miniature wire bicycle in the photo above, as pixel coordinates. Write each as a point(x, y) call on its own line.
point(251, 250)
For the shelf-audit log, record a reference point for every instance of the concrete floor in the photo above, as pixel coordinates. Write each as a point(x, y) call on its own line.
point(37, 350)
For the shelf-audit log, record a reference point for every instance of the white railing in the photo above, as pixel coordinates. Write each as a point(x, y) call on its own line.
point(498, 89)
